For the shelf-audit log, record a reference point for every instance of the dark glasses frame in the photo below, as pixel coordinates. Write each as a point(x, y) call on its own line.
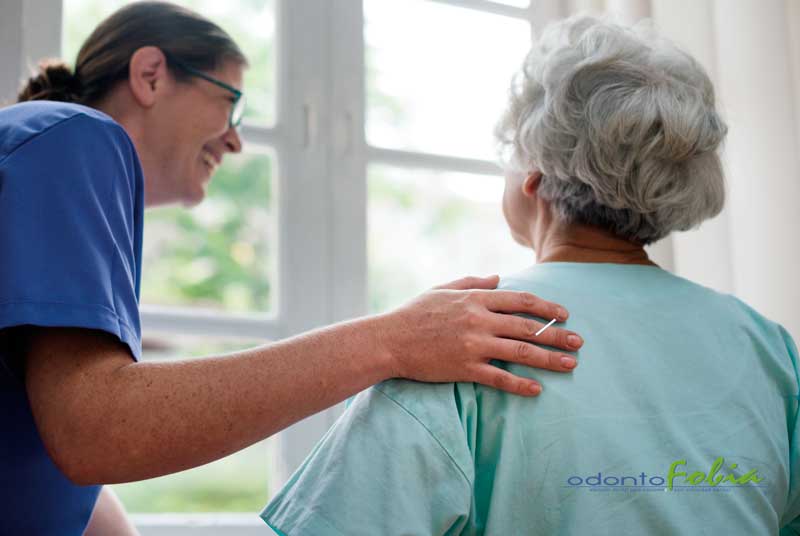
point(237, 110)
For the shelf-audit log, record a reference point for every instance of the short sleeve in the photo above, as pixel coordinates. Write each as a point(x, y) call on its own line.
point(71, 204)
point(791, 518)
point(378, 470)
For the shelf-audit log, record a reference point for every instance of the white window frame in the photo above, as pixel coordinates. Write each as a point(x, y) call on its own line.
point(322, 158)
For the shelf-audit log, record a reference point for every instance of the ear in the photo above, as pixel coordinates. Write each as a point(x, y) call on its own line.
point(531, 183)
point(148, 76)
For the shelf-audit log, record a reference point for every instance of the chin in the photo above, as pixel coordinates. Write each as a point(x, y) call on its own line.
point(194, 196)
point(191, 203)
point(521, 240)
point(196, 186)
point(194, 200)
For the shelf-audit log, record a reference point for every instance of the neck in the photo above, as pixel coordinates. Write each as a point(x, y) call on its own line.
point(119, 105)
point(556, 242)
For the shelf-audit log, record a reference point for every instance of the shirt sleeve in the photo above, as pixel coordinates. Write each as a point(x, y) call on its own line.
point(791, 517)
point(68, 230)
point(378, 470)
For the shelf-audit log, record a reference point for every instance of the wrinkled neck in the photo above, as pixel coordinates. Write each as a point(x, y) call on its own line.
point(554, 241)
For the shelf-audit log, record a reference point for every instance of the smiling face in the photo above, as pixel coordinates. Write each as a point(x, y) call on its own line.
point(194, 134)
point(180, 129)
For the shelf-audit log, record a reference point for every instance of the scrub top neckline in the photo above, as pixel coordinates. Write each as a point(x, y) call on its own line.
point(574, 263)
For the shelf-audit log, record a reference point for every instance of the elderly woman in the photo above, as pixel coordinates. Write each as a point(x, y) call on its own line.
point(610, 143)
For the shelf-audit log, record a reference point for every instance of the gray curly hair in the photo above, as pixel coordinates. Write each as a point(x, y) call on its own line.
point(622, 125)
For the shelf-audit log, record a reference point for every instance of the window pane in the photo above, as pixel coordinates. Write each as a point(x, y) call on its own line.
point(238, 483)
point(428, 228)
point(442, 90)
point(219, 254)
point(250, 23)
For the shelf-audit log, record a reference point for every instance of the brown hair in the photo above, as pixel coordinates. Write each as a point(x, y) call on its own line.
point(104, 58)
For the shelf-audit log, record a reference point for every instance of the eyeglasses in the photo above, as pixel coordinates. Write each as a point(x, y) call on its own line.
point(237, 110)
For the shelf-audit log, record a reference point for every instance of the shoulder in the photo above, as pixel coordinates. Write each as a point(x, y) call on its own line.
point(746, 310)
point(66, 124)
point(417, 398)
point(437, 409)
point(55, 146)
point(772, 330)
point(601, 282)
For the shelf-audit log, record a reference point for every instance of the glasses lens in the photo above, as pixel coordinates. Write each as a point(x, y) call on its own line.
point(238, 111)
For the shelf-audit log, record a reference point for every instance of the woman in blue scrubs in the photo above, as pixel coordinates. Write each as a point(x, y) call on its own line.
point(146, 117)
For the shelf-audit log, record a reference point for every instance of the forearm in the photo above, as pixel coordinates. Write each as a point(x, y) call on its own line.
point(104, 419)
point(150, 419)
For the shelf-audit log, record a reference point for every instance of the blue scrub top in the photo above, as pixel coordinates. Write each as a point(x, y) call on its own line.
point(71, 215)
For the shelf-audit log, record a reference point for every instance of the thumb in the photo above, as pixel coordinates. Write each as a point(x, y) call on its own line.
point(471, 282)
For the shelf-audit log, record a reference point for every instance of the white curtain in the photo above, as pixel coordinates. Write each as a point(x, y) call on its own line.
point(751, 50)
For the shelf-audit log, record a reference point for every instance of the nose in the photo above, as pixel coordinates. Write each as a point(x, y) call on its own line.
point(233, 143)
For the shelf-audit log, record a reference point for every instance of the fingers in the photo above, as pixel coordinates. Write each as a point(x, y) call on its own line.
point(498, 378)
point(529, 354)
point(516, 327)
point(466, 283)
point(511, 301)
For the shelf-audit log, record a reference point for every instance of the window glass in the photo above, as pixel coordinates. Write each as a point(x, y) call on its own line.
point(220, 254)
point(428, 228)
point(438, 75)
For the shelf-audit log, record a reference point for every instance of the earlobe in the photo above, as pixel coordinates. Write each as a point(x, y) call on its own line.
point(147, 74)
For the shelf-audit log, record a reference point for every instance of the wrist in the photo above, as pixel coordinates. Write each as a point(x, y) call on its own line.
point(381, 328)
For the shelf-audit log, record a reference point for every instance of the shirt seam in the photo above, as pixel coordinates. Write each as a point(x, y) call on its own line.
point(432, 435)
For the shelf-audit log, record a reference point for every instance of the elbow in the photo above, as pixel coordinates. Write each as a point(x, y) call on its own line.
point(73, 397)
point(81, 478)
point(73, 452)
point(73, 465)
point(81, 474)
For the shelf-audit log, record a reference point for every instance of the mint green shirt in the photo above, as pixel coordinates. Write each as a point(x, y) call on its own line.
point(679, 419)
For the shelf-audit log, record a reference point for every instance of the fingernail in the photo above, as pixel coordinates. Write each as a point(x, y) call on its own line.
point(568, 362)
point(562, 314)
point(535, 388)
point(574, 340)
